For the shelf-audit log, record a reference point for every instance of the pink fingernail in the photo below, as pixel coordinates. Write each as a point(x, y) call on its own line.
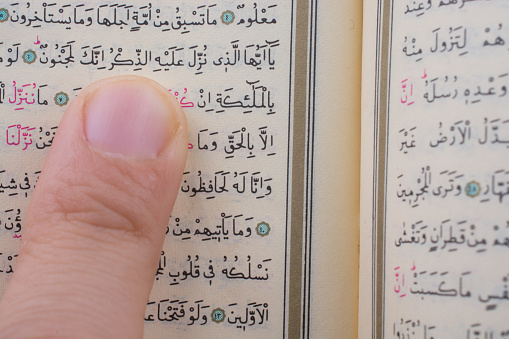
point(131, 118)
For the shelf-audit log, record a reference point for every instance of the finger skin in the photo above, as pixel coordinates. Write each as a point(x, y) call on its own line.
point(94, 230)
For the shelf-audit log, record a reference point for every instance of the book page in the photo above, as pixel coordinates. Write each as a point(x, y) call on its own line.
point(366, 317)
point(436, 110)
point(236, 259)
point(335, 172)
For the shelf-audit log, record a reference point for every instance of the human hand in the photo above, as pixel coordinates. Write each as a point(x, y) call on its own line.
point(97, 219)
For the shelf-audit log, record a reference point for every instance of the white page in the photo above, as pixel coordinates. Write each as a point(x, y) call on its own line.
point(229, 65)
point(438, 179)
point(336, 163)
point(244, 76)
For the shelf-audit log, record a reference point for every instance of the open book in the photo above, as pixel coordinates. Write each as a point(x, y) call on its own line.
point(311, 206)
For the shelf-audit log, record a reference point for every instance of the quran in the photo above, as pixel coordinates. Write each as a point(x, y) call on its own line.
point(347, 172)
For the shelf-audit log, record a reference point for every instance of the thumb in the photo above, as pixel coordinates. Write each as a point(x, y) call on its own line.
point(97, 219)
